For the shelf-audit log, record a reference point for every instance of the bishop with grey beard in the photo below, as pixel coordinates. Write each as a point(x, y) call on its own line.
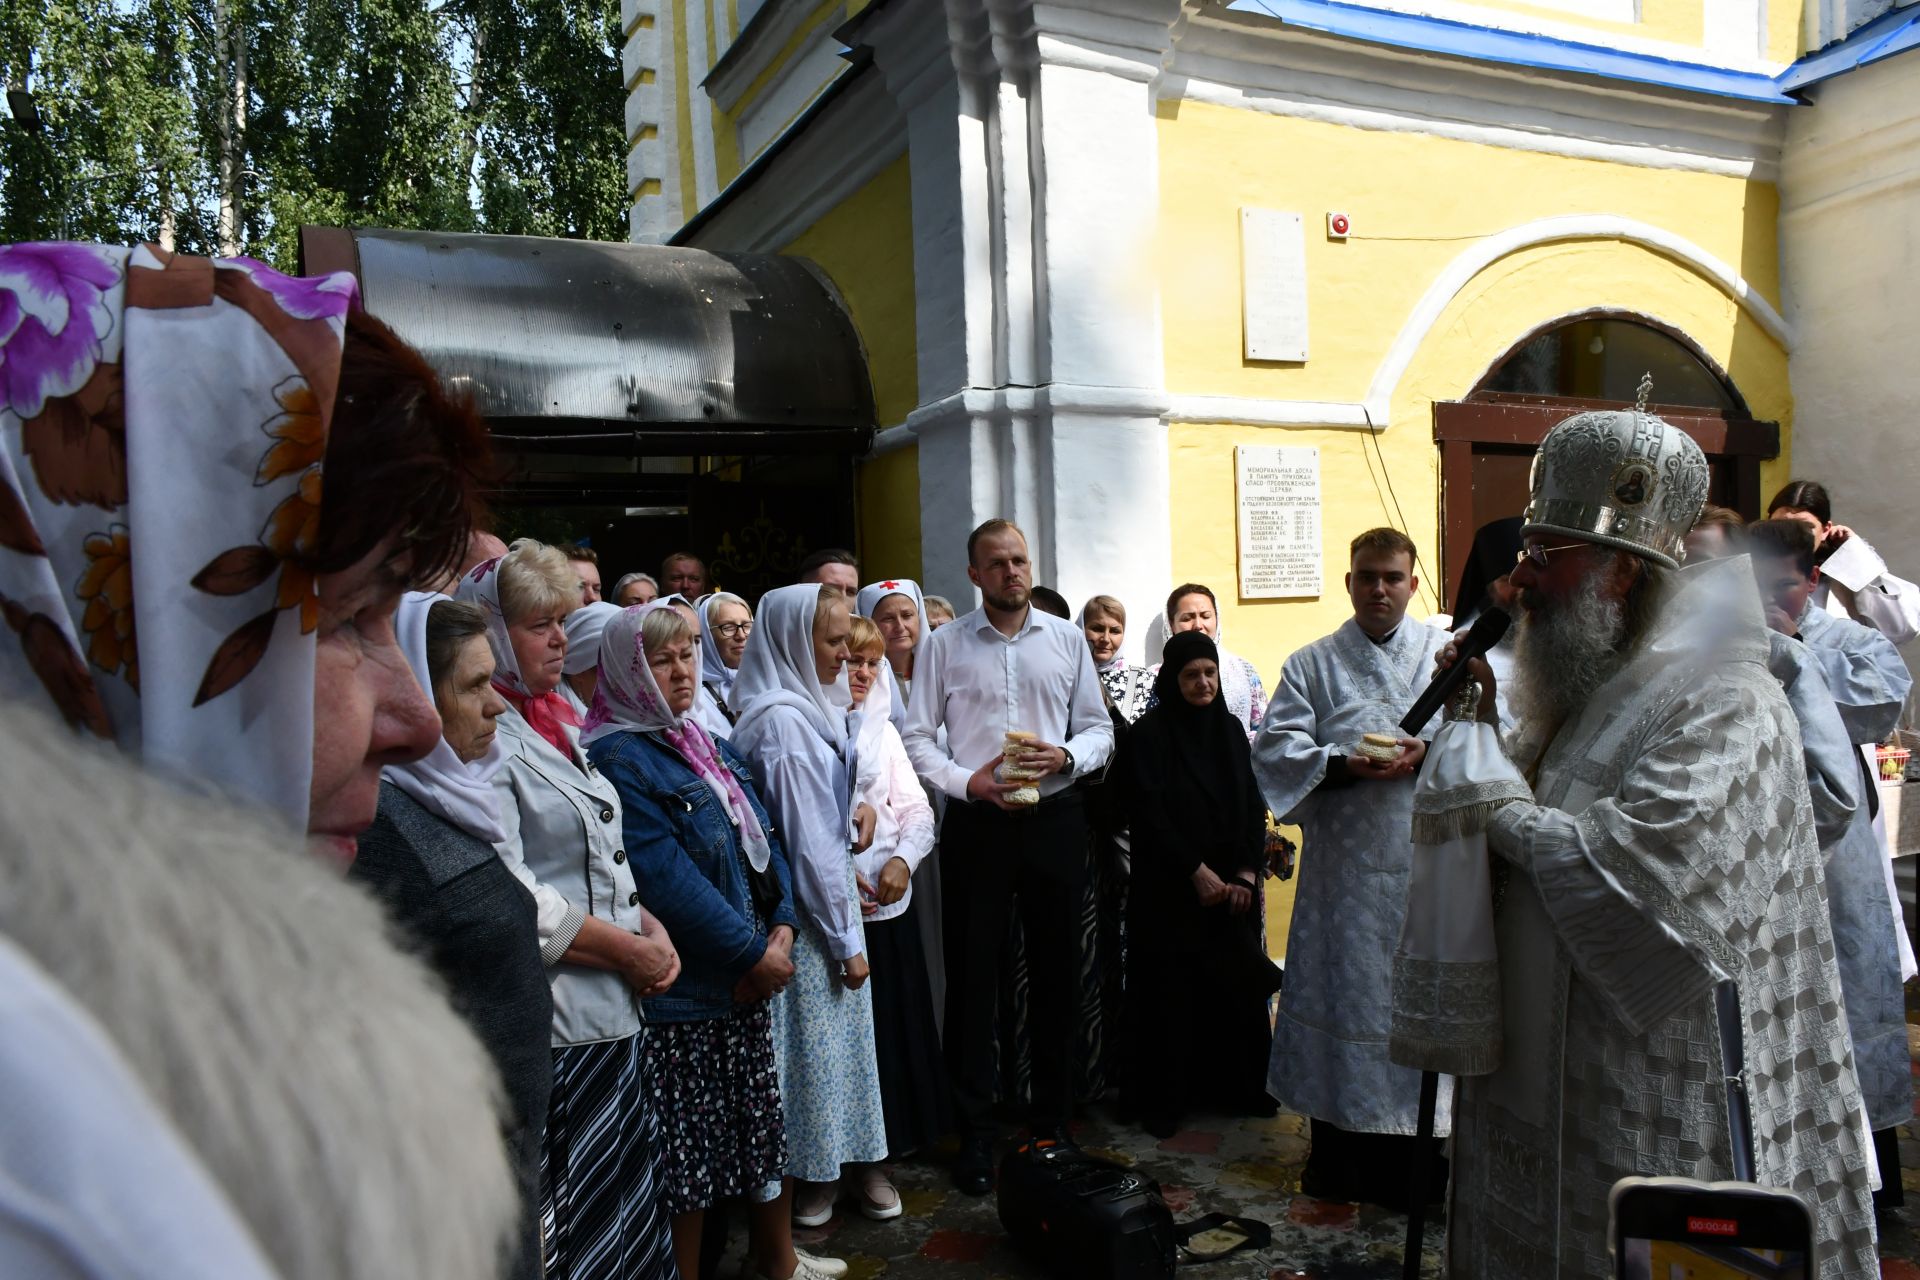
point(1667, 851)
point(1564, 649)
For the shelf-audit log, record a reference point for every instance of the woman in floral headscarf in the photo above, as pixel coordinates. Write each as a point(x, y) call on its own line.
point(716, 872)
point(215, 483)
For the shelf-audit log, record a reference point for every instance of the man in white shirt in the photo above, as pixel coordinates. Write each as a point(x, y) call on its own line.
point(1004, 667)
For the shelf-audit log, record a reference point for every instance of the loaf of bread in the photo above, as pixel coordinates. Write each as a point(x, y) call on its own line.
point(1383, 747)
point(1016, 741)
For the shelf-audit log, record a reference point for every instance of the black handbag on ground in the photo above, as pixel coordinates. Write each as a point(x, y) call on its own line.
point(1085, 1218)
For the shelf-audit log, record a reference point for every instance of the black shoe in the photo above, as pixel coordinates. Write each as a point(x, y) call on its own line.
point(973, 1167)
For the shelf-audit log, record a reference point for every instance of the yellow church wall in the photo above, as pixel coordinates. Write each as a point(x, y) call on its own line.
point(1417, 202)
point(865, 246)
point(888, 498)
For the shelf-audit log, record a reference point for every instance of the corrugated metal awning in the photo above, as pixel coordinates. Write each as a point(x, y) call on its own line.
point(603, 348)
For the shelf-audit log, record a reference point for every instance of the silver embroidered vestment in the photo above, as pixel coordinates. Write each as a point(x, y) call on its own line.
point(1329, 1057)
point(1672, 844)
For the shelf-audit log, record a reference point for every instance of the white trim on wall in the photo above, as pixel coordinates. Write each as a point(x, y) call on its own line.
point(1375, 411)
point(1589, 226)
point(800, 80)
point(840, 151)
point(706, 183)
point(1230, 59)
point(767, 40)
point(1474, 15)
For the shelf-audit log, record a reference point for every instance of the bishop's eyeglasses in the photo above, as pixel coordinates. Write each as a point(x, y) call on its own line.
point(1537, 556)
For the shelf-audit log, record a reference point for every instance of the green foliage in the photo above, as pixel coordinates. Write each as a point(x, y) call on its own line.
point(115, 121)
point(497, 115)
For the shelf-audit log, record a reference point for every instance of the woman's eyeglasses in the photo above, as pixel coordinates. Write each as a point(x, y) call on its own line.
point(1537, 556)
point(865, 664)
point(733, 629)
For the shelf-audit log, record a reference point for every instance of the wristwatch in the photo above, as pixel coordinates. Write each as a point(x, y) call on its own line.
point(1067, 768)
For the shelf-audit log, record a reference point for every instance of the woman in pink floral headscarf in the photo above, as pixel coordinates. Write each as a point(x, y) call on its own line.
point(215, 483)
point(174, 572)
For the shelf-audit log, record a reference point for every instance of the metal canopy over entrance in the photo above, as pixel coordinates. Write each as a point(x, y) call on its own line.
point(666, 395)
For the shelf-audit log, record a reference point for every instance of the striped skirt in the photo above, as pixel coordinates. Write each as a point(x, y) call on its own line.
point(599, 1207)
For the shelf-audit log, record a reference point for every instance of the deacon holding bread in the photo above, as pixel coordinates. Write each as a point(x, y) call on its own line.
point(1330, 758)
point(1017, 695)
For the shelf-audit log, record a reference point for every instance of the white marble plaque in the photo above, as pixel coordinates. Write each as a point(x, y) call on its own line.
point(1278, 487)
point(1273, 286)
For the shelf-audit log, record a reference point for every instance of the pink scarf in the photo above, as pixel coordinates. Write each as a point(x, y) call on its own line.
point(547, 714)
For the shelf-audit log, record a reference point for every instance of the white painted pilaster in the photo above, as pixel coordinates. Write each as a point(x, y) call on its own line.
point(700, 60)
point(1035, 189)
point(653, 145)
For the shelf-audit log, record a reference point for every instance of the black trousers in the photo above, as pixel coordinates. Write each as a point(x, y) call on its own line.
point(993, 863)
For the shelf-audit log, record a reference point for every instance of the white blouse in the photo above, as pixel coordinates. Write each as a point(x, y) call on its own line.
point(903, 820)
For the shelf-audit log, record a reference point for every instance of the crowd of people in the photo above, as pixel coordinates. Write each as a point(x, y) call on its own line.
point(691, 904)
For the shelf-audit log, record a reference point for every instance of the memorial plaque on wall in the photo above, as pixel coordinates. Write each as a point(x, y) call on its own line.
point(1278, 487)
point(1273, 286)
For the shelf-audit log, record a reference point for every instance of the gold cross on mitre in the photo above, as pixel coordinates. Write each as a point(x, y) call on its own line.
point(1646, 389)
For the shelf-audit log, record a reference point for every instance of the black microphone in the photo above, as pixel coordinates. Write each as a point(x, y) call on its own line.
point(1482, 636)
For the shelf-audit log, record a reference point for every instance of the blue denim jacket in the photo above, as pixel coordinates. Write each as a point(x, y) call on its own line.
point(689, 869)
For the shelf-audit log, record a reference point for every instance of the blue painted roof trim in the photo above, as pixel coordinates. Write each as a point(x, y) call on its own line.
point(1886, 35)
point(1464, 40)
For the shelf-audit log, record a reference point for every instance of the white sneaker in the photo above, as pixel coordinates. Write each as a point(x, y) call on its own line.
point(879, 1199)
point(808, 1267)
point(813, 1202)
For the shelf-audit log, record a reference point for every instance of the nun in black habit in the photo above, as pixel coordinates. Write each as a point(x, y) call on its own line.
point(1197, 977)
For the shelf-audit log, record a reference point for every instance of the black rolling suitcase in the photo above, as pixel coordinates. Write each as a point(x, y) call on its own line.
point(1084, 1217)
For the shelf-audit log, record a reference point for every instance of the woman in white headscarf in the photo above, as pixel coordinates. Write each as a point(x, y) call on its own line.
point(899, 610)
point(581, 670)
point(429, 857)
point(792, 702)
point(1192, 607)
point(725, 623)
point(715, 871)
point(1128, 689)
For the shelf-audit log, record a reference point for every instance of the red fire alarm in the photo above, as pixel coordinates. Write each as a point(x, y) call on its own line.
point(1338, 225)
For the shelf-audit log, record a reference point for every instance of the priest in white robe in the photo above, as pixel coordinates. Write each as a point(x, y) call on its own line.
point(1669, 849)
point(1869, 683)
point(1854, 583)
point(1329, 1056)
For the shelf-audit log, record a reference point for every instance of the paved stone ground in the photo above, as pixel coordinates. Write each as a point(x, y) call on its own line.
point(1249, 1167)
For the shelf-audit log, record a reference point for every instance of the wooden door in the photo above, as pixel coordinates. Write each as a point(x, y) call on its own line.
point(1487, 443)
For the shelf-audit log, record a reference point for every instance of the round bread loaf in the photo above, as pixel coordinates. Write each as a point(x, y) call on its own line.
point(1383, 747)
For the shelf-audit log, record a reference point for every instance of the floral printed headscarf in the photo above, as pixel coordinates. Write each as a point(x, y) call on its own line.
point(628, 700)
point(547, 714)
point(163, 421)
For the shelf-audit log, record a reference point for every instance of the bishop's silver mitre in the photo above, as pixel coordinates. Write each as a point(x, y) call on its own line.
point(1621, 477)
